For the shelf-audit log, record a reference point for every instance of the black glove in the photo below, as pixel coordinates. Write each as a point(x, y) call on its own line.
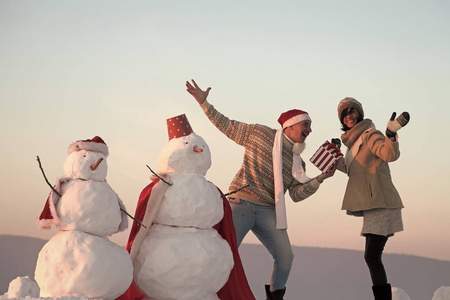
point(395, 125)
point(336, 142)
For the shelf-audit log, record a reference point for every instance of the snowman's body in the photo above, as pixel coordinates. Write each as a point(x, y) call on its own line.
point(74, 263)
point(182, 257)
point(89, 206)
point(80, 260)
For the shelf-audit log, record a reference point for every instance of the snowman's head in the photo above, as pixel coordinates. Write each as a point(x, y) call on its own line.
point(87, 165)
point(186, 154)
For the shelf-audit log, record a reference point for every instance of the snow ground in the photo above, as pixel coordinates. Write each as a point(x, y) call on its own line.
point(26, 289)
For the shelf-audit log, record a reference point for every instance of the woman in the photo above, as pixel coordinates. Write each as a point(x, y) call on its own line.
point(370, 192)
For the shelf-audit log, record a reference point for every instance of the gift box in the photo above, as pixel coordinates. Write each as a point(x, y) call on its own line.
point(326, 156)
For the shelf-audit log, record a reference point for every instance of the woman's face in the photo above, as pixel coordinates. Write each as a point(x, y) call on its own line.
point(351, 119)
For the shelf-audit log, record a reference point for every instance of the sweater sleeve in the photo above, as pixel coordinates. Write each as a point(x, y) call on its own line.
point(239, 132)
point(382, 146)
point(300, 191)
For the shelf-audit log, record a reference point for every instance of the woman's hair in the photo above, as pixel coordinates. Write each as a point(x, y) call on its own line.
point(345, 113)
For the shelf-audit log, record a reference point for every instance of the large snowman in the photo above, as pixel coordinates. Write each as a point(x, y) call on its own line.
point(181, 256)
point(80, 260)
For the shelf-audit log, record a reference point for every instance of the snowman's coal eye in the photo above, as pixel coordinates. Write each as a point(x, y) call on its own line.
point(84, 155)
point(187, 143)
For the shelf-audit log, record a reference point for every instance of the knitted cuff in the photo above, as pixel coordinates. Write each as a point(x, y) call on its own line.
point(205, 105)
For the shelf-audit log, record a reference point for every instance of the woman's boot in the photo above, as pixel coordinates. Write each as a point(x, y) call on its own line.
point(382, 292)
point(275, 295)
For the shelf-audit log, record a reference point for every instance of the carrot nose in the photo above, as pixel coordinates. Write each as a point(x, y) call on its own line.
point(94, 166)
point(198, 150)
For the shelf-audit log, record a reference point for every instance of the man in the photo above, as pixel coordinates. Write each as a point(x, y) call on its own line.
point(272, 165)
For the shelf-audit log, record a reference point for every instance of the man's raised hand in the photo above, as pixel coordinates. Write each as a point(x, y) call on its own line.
point(196, 92)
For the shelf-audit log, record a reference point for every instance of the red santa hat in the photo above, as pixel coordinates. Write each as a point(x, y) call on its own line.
point(286, 119)
point(178, 126)
point(96, 144)
point(292, 117)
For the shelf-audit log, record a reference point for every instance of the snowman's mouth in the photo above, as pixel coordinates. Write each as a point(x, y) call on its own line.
point(198, 150)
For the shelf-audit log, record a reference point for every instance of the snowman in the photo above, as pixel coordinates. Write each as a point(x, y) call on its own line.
point(80, 260)
point(189, 251)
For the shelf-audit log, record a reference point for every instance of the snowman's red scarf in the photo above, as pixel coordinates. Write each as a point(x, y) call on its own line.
point(236, 288)
point(139, 215)
point(48, 215)
point(237, 285)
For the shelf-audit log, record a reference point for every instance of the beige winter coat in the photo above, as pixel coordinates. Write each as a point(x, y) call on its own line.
point(370, 185)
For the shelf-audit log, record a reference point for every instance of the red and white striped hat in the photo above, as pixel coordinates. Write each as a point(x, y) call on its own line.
point(292, 117)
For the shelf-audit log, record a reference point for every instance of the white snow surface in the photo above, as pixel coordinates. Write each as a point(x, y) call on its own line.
point(89, 206)
point(26, 288)
point(190, 201)
point(79, 264)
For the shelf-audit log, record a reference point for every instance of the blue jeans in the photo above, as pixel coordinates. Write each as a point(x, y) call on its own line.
point(261, 220)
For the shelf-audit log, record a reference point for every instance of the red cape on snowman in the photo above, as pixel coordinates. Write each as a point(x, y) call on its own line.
point(236, 287)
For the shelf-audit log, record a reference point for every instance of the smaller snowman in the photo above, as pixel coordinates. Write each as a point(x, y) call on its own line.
point(80, 260)
point(188, 250)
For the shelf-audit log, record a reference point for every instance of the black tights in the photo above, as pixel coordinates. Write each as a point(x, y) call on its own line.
point(374, 249)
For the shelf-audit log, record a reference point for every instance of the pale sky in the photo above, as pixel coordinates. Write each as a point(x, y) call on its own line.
point(71, 70)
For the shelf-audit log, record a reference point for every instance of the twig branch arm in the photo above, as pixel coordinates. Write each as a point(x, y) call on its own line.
point(230, 193)
point(158, 176)
point(136, 220)
point(45, 177)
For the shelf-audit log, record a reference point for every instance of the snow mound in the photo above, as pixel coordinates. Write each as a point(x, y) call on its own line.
point(399, 294)
point(442, 293)
point(22, 287)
